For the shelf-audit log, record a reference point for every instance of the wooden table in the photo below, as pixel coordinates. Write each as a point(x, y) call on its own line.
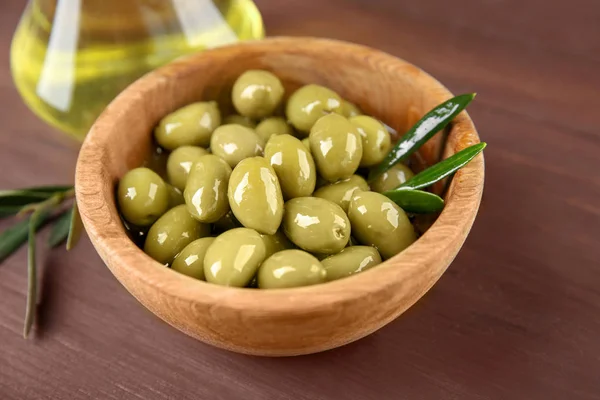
point(517, 315)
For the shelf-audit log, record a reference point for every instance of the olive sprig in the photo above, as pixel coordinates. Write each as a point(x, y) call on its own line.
point(408, 195)
point(34, 208)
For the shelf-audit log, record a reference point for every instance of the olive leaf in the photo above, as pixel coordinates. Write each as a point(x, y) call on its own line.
point(410, 199)
point(7, 211)
point(16, 235)
point(431, 123)
point(41, 202)
point(31, 273)
point(416, 201)
point(12, 201)
point(75, 227)
point(442, 169)
point(60, 229)
point(41, 190)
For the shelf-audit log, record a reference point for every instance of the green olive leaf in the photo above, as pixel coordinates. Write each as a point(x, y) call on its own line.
point(442, 169)
point(21, 197)
point(47, 190)
point(75, 227)
point(13, 201)
point(431, 123)
point(7, 211)
point(60, 229)
point(16, 235)
point(31, 273)
point(416, 201)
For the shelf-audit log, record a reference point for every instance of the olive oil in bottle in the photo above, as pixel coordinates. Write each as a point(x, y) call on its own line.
point(70, 58)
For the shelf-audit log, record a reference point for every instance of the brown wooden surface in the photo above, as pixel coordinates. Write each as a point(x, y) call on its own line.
point(515, 316)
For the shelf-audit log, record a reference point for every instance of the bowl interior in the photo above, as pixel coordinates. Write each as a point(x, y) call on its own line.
point(288, 321)
point(395, 96)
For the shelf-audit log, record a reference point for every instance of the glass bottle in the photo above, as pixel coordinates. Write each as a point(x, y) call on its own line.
point(70, 58)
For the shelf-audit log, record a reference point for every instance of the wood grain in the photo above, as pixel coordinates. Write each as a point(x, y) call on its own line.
point(288, 321)
point(514, 317)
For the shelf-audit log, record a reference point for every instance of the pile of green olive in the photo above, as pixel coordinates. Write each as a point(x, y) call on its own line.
point(272, 197)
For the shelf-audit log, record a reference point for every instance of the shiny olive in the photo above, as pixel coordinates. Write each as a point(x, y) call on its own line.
point(293, 165)
point(255, 195)
point(349, 109)
point(316, 225)
point(350, 260)
point(234, 257)
point(275, 243)
point(392, 178)
point(234, 142)
point(190, 261)
point(239, 120)
point(171, 233)
point(273, 126)
point(256, 93)
point(290, 268)
point(180, 162)
point(206, 190)
point(309, 103)
point(376, 140)
point(191, 125)
point(225, 223)
point(175, 196)
point(341, 192)
point(336, 147)
point(143, 196)
point(378, 221)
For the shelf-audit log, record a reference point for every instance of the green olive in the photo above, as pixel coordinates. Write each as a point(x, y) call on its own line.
point(341, 192)
point(350, 260)
point(171, 233)
point(191, 125)
point(239, 120)
point(376, 140)
point(180, 162)
point(293, 165)
point(175, 196)
point(275, 243)
point(316, 225)
point(225, 223)
point(349, 109)
point(234, 257)
point(273, 126)
point(143, 196)
point(336, 147)
point(255, 195)
point(290, 268)
point(190, 261)
point(378, 221)
point(309, 103)
point(256, 93)
point(206, 190)
point(234, 142)
point(392, 178)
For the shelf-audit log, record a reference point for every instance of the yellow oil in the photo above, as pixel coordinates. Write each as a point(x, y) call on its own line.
point(70, 58)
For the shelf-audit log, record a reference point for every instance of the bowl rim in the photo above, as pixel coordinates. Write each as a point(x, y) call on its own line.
point(440, 243)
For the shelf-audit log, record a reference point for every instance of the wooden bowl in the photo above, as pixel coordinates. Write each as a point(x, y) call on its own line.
point(278, 322)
